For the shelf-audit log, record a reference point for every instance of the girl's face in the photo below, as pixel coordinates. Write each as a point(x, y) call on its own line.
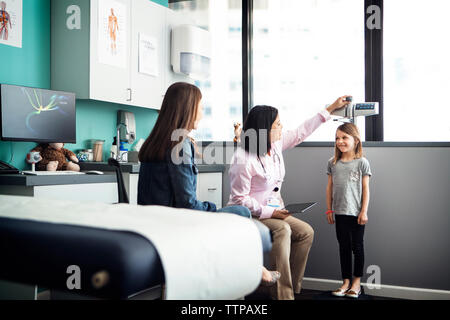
point(199, 114)
point(275, 132)
point(345, 142)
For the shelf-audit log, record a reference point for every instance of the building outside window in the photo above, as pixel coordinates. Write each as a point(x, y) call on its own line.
point(305, 55)
point(222, 92)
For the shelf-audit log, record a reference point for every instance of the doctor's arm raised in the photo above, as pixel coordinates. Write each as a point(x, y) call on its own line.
point(292, 138)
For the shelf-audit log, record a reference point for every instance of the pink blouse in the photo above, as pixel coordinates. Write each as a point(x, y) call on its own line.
point(253, 180)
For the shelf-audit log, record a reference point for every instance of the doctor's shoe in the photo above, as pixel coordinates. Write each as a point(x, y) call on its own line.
point(275, 276)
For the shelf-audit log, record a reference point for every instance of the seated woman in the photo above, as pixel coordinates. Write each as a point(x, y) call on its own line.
point(168, 174)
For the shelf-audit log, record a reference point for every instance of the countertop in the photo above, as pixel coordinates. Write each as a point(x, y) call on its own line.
point(109, 175)
point(133, 167)
point(32, 181)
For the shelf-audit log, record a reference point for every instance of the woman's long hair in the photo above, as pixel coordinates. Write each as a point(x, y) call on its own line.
point(351, 130)
point(257, 127)
point(178, 111)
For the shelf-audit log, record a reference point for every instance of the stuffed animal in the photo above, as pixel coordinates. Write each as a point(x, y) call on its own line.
point(237, 132)
point(54, 157)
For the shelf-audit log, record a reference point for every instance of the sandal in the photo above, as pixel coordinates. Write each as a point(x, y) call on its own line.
point(340, 292)
point(275, 276)
point(353, 294)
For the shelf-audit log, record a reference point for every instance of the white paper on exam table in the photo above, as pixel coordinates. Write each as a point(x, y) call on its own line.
point(202, 253)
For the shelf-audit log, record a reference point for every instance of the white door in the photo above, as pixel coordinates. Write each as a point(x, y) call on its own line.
point(110, 51)
point(147, 53)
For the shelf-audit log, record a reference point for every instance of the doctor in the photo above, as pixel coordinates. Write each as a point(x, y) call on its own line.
point(256, 175)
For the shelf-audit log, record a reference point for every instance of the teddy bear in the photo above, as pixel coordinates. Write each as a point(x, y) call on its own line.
point(54, 157)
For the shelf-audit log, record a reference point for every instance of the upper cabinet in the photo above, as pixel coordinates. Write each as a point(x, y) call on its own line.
point(110, 54)
point(113, 50)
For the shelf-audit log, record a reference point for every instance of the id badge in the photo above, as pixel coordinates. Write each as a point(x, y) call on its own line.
point(273, 202)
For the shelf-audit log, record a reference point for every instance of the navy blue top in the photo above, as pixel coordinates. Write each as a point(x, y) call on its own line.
point(166, 183)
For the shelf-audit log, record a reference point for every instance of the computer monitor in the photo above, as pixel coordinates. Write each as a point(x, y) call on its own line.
point(37, 115)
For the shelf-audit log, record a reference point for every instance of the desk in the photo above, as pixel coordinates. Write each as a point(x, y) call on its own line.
point(83, 187)
point(209, 182)
point(102, 188)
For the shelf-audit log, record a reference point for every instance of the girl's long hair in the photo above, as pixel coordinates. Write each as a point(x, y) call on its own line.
point(351, 130)
point(178, 111)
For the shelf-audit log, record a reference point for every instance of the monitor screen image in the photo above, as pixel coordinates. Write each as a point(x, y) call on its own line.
point(37, 115)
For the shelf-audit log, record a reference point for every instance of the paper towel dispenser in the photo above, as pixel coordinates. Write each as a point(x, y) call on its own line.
point(191, 51)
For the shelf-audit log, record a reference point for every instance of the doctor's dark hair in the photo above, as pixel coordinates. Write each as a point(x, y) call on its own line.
point(178, 111)
point(257, 127)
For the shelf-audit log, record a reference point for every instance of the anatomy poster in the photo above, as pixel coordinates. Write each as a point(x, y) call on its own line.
point(112, 33)
point(11, 22)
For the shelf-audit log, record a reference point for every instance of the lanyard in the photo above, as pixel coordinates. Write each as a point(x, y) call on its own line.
point(267, 176)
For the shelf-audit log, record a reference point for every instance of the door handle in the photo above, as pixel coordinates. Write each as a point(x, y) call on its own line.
point(129, 94)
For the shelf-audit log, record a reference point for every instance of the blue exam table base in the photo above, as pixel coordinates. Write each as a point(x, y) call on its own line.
point(39, 253)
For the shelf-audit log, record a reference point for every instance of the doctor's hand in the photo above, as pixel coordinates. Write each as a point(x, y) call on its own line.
point(339, 103)
point(280, 214)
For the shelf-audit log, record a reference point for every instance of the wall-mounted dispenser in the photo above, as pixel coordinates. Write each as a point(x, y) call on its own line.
point(126, 127)
point(191, 51)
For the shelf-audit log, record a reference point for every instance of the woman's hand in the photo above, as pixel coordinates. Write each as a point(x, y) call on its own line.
point(280, 214)
point(330, 218)
point(362, 218)
point(339, 103)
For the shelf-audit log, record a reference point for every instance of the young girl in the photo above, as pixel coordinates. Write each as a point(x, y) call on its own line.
point(348, 198)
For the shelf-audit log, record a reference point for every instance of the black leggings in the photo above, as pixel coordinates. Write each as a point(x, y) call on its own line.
point(350, 237)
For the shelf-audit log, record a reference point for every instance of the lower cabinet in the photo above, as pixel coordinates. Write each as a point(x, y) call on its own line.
point(209, 187)
point(97, 192)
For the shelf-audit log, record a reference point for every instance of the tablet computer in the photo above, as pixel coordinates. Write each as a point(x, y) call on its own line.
point(296, 208)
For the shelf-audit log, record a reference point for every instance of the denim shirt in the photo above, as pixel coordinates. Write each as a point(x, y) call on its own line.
point(168, 184)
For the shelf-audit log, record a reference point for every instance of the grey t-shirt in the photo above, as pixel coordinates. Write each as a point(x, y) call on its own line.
point(347, 184)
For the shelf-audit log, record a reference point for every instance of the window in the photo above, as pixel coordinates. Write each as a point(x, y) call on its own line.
point(222, 92)
point(306, 54)
point(416, 70)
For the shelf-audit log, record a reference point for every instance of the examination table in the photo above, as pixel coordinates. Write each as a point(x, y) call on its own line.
point(114, 264)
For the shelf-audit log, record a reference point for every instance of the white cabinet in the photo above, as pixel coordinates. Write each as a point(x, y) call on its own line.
point(82, 60)
point(109, 74)
point(209, 188)
point(149, 20)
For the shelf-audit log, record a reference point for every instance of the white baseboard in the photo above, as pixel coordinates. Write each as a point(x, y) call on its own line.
point(383, 291)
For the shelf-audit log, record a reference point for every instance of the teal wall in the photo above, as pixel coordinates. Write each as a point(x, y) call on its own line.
point(30, 66)
point(162, 2)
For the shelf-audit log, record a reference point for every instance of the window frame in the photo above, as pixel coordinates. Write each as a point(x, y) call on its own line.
point(373, 51)
point(373, 59)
